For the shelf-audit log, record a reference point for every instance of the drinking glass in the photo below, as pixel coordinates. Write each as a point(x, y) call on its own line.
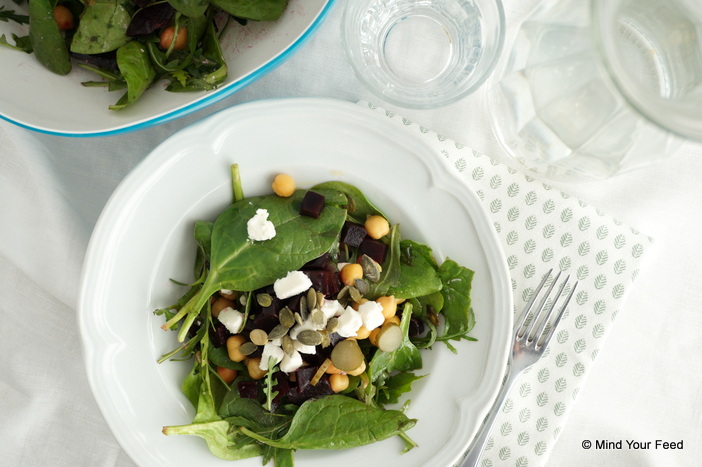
point(600, 87)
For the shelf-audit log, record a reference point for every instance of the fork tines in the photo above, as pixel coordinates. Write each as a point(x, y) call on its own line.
point(542, 314)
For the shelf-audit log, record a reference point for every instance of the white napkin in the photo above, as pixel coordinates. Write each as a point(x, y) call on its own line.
point(542, 228)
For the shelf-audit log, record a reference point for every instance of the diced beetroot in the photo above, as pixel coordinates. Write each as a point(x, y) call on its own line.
point(325, 281)
point(248, 389)
point(416, 327)
point(294, 303)
point(265, 318)
point(374, 249)
point(322, 388)
point(352, 234)
point(304, 375)
point(321, 262)
point(219, 334)
point(283, 388)
point(312, 204)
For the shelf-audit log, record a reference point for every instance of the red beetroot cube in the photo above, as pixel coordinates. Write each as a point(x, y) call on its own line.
point(353, 234)
point(374, 249)
point(312, 204)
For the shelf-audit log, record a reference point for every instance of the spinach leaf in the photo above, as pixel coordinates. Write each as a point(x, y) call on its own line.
point(338, 422)
point(257, 10)
point(390, 275)
point(135, 66)
point(203, 236)
point(359, 208)
point(191, 8)
point(418, 276)
point(222, 441)
point(405, 358)
point(457, 311)
point(102, 27)
point(238, 263)
point(45, 37)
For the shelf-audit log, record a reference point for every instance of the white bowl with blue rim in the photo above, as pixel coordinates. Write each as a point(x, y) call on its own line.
point(33, 97)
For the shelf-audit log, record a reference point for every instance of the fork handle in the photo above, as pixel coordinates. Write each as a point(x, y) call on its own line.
point(476, 449)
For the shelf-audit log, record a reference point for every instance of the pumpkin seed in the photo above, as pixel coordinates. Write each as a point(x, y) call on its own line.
point(332, 324)
point(326, 341)
point(298, 318)
point(309, 337)
point(278, 332)
point(286, 317)
point(320, 299)
point(288, 346)
point(243, 299)
point(362, 286)
point(259, 337)
point(311, 299)
point(433, 316)
point(371, 269)
point(247, 348)
point(343, 292)
point(355, 294)
point(264, 299)
point(317, 318)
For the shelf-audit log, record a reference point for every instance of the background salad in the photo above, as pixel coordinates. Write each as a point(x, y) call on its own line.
point(131, 44)
point(331, 385)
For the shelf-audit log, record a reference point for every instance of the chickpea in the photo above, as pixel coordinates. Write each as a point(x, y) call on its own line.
point(283, 185)
point(389, 305)
point(350, 273)
point(332, 370)
point(338, 382)
point(220, 304)
point(377, 226)
point(394, 319)
point(167, 37)
point(373, 336)
point(255, 371)
point(228, 375)
point(233, 348)
point(63, 17)
point(361, 368)
point(362, 333)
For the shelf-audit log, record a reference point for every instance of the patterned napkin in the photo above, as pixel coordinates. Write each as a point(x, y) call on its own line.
point(542, 228)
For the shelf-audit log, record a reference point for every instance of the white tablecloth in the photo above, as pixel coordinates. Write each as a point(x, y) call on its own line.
point(644, 386)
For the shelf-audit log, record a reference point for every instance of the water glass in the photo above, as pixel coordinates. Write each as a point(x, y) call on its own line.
point(594, 88)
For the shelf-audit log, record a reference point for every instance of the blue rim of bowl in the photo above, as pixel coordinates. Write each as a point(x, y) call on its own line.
point(200, 104)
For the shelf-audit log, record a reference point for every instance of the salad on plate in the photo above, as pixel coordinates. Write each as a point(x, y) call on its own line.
point(306, 322)
point(132, 44)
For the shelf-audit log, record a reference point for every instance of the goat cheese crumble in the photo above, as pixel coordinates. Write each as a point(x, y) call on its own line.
point(259, 228)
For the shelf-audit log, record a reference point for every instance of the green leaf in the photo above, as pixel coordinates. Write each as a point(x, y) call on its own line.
point(359, 207)
point(395, 386)
point(418, 276)
point(22, 43)
point(191, 8)
point(46, 39)
point(102, 27)
point(457, 282)
point(258, 10)
point(10, 15)
point(223, 441)
point(338, 422)
point(134, 64)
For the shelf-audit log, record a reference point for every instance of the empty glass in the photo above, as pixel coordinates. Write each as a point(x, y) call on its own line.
point(595, 88)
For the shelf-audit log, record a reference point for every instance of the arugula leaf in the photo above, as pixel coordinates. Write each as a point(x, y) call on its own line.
point(337, 422)
point(191, 8)
point(102, 27)
point(10, 15)
point(45, 37)
point(395, 386)
point(22, 43)
point(405, 358)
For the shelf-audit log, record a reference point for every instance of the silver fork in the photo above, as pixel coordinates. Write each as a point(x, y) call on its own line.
point(529, 346)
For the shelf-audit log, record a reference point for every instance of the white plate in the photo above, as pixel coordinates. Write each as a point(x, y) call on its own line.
point(33, 97)
point(143, 238)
